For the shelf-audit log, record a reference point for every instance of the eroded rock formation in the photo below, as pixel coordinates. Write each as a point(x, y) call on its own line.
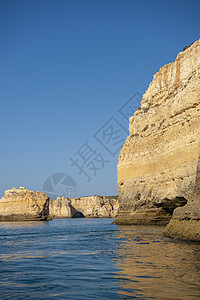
point(89, 207)
point(158, 163)
point(61, 208)
point(24, 205)
point(96, 206)
point(185, 222)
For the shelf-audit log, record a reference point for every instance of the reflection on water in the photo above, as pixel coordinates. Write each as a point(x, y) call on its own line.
point(93, 259)
point(154, 267)
point(25, 224)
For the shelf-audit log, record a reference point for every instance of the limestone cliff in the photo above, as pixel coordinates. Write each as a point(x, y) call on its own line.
point(24, 205)
point(89, 207)
point(158, 163)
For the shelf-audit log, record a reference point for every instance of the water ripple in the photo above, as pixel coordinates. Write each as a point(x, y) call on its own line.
point(93, 259)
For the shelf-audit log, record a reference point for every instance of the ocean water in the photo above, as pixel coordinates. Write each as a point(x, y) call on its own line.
point(93, 259)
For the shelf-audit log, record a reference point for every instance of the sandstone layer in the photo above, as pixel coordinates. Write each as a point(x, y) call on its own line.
point(158, 163)
point(24, 205)
point(89, 207)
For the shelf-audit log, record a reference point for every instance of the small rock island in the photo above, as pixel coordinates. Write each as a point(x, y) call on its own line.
point(24, 205)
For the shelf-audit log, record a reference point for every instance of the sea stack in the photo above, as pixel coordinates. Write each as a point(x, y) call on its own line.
point(24, 205)
point(158, 164)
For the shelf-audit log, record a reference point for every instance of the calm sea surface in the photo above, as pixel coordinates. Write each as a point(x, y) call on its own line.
point(93, 259)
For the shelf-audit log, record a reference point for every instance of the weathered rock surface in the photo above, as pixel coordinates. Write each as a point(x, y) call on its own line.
point(61, 208)
point(89, 207)
point(24, 205)
point(185, 222)
point(158, 163)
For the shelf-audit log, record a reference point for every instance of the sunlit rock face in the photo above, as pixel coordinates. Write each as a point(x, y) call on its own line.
point(158, 163)
point(24, 205)
point(89, 207)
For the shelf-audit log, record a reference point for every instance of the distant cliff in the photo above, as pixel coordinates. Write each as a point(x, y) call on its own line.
point(24, 205)
point(61, 208)
point(89, 207)
point(157, 166)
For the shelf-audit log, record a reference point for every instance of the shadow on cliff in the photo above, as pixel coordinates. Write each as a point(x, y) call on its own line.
point(169, 205)
point(78, 214)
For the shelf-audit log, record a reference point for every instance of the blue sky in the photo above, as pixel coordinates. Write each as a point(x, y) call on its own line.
point(67, 67)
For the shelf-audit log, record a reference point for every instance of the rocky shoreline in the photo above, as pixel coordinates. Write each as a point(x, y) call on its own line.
point(25, 205)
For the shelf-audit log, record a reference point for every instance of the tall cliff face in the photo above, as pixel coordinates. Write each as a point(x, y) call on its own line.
point(24, 205)
point(158, 162)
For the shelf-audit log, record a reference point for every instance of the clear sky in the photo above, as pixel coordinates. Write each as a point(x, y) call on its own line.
point(66, 69)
